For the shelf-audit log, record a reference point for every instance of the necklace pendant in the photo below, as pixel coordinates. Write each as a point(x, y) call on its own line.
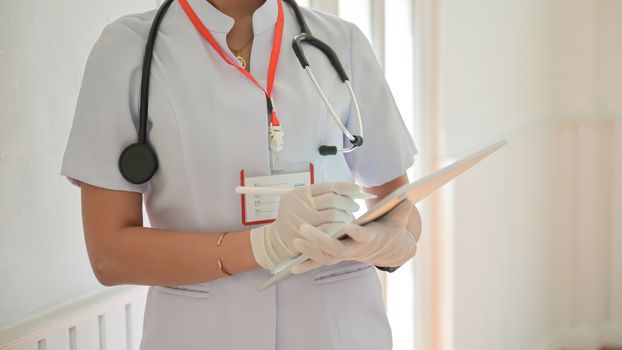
point(241, 60)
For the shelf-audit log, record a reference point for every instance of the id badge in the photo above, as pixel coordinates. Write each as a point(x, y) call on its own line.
point(263, 208)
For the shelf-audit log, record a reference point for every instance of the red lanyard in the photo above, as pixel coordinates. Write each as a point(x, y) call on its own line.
point(274, 57)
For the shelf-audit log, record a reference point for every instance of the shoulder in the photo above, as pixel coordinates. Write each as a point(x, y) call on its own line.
point(125, 36)
point(136, 25)
point(115, 59)
point(121, 43)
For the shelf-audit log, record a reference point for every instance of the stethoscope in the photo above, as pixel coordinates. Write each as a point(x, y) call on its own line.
point(138, 162)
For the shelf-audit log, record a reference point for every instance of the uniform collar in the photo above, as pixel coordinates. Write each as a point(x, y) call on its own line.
point(264, 17)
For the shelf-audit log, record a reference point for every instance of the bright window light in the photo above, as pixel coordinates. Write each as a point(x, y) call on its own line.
point(399, 71)
point(303, 3)
point(357, 12)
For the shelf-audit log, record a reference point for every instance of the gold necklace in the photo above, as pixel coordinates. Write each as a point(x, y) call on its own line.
point(237, 53)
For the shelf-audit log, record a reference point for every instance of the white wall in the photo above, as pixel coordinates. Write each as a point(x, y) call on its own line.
point(589, 102)
point(43, 49)
point(496, 82)
point(534, 235)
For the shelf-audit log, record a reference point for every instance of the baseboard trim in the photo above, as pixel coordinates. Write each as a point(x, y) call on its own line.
point(28, 332)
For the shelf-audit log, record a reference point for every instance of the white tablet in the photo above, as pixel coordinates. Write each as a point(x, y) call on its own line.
point(414, 192)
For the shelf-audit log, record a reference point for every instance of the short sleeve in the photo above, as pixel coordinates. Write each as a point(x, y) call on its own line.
point(388, 149)
point(106, 117)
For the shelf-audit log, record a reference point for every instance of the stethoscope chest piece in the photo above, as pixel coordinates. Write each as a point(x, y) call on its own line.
point(138, 163)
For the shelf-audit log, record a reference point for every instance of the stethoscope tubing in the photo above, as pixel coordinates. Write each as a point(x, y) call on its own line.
point(333, 113)
point(138, 162)
point(146, 69)
point(305, 37)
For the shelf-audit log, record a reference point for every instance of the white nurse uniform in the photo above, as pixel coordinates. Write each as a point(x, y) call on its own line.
point(207, 122)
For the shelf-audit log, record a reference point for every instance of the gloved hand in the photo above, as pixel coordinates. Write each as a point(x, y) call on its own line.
point(317, 205)
point(384, 242)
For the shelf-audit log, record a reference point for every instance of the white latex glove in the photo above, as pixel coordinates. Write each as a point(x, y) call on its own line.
point(317, 205)
point(384, 242)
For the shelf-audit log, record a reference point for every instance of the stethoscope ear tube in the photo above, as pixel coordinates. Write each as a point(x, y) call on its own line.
point(327, 50)
point(355, 140)
point(358, 141)
point(326, 150)
point(306, 37)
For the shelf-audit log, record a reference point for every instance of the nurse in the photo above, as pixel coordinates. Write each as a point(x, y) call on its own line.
point(204, 254)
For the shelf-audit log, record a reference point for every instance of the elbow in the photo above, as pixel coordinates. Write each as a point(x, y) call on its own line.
point(101, 269)
point(414, 223)
point(102, 257)
point(103, 265)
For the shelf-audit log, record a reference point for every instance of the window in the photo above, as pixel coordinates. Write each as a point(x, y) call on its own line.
point(393, 41)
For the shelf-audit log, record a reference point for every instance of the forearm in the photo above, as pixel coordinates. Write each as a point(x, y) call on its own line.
point(149, 256)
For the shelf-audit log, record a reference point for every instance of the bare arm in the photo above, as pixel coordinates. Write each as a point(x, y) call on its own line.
point(122, 251)
point(414, 221)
